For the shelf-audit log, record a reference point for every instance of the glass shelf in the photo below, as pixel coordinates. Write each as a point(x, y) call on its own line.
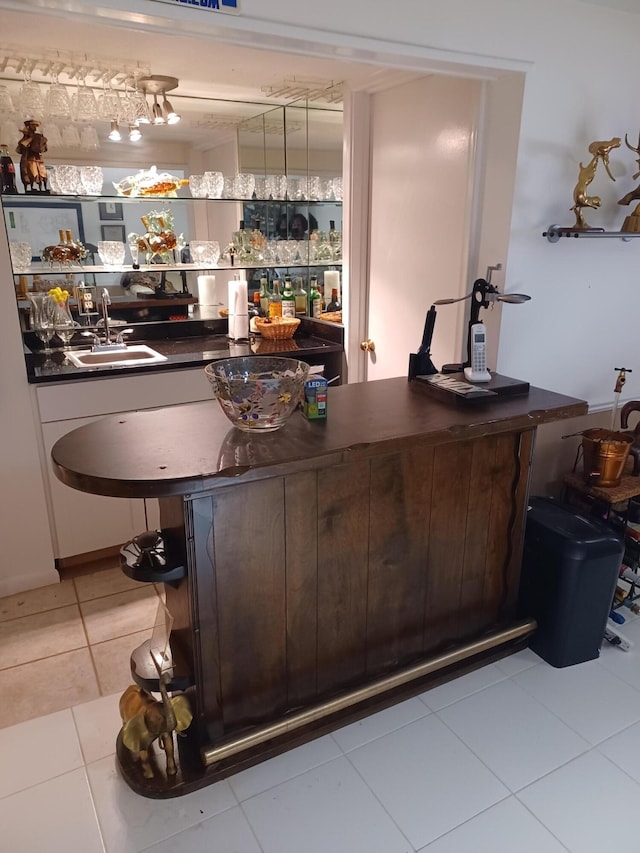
point(31, 198)
point(555, 232)
point(43, 268)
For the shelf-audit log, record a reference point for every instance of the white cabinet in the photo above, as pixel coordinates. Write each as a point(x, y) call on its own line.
point(82, 523)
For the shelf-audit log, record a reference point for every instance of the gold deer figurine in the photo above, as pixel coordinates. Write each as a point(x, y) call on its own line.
point(599, 151)
point(631, 223)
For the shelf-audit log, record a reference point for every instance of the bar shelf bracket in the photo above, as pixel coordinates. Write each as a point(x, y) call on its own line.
point(555, 232)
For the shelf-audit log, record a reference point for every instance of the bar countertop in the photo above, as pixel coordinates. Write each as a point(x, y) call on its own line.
point(185, 449)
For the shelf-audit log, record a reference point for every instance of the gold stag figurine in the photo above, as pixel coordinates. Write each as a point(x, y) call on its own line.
point(631, 223)
point(600, 151)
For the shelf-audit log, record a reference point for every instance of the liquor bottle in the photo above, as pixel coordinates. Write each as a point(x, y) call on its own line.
point(288, 298)
point(23, 286)
point(334, 304)
point(257, 237)
point(275, 300)
point(257, 309)
point(300, 295)
point(7, 171)
point(335, 241)
point(315, 298)
point(257, 244)
point(242, 241)
point(254, 311)
point(264, 296)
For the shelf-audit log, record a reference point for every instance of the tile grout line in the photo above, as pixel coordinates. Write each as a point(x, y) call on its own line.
point(38, 613)
point(90, 650)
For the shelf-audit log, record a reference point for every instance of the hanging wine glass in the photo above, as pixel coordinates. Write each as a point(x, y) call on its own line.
point(30, 100)
point(89, 138)
point(84, 104)
point(54, 137)
point(70, 136)
point(57, 103)
point(6, 103)
point(109, 106)
point(134, 107)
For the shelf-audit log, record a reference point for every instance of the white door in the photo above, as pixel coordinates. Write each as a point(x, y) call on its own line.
point(423, 135)
point(439, 166)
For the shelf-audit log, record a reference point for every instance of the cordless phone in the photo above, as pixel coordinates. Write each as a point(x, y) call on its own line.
point(478, 371)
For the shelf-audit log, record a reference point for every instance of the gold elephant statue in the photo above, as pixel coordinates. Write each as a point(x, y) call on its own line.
point(145, 719)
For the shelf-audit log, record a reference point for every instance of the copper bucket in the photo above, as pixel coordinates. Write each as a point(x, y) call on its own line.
point(604, 456)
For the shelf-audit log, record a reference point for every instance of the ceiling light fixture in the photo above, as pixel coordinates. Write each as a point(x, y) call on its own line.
point(114, 133)
point(171, 114)
point(158, 86)
point(134, 133)
point(156, 112)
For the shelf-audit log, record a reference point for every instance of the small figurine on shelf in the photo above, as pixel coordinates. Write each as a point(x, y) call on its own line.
point(31, 148)
point(631, 224)
point(160, 240)
point(599, 151)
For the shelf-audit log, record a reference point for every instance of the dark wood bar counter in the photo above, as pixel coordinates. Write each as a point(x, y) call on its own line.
point(330, 568)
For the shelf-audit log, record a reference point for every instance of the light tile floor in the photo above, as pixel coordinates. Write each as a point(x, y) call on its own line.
point(514, 756)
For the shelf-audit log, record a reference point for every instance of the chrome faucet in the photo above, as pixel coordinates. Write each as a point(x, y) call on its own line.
point(105, 300)
point(119, 344)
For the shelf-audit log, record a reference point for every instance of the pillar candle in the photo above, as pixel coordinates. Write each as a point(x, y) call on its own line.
point(207, 290)
point(331, 281)
point(238, 309)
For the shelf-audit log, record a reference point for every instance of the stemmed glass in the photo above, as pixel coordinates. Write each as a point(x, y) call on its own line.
point(54, 137)
point(30, 100)
point(57, 102)
point(42, 307)
point(66, 332)
point(84, 105)
point(6, 103)
point(109, 106)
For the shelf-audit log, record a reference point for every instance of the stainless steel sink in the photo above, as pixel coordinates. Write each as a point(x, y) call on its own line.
point(135, 354)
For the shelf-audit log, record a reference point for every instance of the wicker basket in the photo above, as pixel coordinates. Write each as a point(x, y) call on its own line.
point(265, 347)
point(277, 328)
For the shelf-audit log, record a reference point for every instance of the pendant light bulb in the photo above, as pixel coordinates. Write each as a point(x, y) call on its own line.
point(157, 117)
point(170, 113)
point(134, 134)
point(114, 133)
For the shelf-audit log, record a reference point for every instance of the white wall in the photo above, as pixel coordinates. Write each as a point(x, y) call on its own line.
point(26, 553)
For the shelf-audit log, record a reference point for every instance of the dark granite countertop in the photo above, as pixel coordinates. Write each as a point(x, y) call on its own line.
point(185, 344)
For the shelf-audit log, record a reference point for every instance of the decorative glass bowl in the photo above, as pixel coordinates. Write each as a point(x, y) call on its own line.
point(258, 393)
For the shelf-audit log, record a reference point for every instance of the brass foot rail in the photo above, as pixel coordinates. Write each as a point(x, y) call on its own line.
point(214, 754)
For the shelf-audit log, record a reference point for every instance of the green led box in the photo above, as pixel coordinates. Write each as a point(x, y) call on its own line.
point(315, 398)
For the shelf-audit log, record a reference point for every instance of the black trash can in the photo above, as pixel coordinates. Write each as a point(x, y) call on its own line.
point(569, 571)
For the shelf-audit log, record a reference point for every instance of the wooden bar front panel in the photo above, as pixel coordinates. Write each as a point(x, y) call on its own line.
point(323, 579)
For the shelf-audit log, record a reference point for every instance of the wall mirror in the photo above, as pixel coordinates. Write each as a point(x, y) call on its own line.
point(299, 144)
